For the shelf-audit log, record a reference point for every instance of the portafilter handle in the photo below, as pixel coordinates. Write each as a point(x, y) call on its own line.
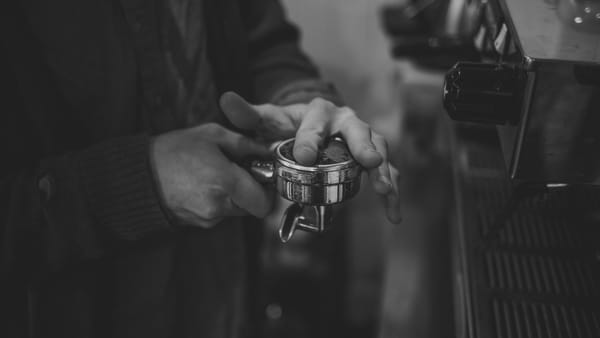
point(311, 218)
point(314, 189)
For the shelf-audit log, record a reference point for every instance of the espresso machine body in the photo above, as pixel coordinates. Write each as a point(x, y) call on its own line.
point(526, 235)
point(539, 82)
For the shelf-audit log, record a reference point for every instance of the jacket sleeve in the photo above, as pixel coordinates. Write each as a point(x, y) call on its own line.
point(60, 210)
point(280, 72)
point(77, 206)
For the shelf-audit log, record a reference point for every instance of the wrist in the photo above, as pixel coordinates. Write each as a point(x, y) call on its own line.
point(154, 150)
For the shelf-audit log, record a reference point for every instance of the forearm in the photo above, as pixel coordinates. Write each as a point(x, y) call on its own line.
point(280, 72)
point(77, 206)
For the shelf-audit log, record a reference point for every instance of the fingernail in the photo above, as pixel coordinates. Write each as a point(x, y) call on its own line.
point(382, 185)
point(386, 181)
point(304, 155)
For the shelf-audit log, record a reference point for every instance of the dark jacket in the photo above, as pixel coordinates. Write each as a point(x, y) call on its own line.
point(86, 247)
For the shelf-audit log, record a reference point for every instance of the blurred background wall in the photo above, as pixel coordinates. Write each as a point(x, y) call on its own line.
point(344, 38)
point(399, 284)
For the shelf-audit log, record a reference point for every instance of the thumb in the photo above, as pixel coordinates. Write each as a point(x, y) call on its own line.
point(241, 113)
point(240, 147)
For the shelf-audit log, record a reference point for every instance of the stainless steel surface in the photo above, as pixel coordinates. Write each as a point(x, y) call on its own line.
point(313, 189)
point(327, 171)
point(317, 194)
point(550, 30)
point(557, 140)
point(311, 218)
point(526, 257)
point(554, 138)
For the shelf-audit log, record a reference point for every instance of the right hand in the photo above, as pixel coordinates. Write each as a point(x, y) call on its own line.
point(200, 181)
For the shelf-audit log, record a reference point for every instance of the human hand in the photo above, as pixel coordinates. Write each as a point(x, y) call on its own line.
point(311, 124)
point(200, 181)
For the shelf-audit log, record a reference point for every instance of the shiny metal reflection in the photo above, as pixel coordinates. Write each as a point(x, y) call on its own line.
point(313, 189)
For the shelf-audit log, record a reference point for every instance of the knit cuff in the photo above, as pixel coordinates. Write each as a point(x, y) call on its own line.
point(120, 188)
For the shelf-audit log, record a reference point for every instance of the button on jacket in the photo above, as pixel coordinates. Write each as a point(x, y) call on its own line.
point(86, 247)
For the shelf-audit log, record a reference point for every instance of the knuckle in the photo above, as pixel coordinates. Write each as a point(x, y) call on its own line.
point(346, 115)
point(212, 211)
point(378, 139)
point(269, 106)
point(211, 126)
point(350, 121)
point(225, 184)
point(317, 130)
point(209, 223)
point(215, 206)
point(322, 104)
point(239, 141)
point(347, 111)
point(362, 124)
point(367, 148)
point(214, 129)
point(317, 101)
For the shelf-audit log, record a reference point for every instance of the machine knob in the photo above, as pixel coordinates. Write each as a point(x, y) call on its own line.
point(484, 93)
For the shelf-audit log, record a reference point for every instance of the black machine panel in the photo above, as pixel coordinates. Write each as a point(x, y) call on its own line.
point(530, 257)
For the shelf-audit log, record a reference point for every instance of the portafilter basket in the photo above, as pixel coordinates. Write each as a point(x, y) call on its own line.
point(334, 178)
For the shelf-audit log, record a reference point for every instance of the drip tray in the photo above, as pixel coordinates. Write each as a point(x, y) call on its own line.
point(527, 259)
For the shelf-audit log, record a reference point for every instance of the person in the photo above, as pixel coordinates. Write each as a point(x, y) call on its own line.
point(124, 124)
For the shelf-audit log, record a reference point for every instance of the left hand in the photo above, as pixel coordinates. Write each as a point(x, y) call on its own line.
point(311, 124)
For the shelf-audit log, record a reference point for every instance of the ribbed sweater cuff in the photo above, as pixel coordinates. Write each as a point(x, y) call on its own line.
point(120, 188)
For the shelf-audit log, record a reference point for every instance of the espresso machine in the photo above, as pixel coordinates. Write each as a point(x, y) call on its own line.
point(526, 153)
point(538, 81)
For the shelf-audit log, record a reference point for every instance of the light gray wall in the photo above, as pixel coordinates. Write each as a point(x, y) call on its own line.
point(345, 39)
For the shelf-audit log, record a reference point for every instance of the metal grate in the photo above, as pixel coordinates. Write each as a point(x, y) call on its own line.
point(533, 257)
point(538, 274)
point(537, 320)
point(533, 231)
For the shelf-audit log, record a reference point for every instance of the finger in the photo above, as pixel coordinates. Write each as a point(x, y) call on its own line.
point(227, 209)
point(312, 132)
point(269, 121)
point(384, 179)
point(209, 217)
point(395, 176)
point(238, 146)
point(241, 113)
point(358, 137)
point(392, 200)
point(380, 176)
point(248, 194)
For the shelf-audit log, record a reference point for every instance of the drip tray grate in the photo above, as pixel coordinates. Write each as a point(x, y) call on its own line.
point(531, 257)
